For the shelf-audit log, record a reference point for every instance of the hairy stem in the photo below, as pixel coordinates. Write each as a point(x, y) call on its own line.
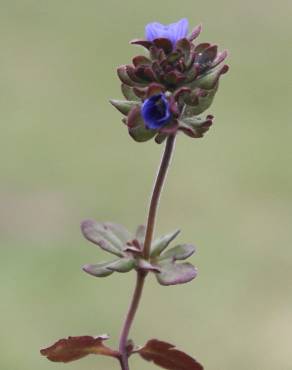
point(146, 250)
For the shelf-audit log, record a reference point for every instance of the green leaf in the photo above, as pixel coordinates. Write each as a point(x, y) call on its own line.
point(120, 231)
point(124, 106)
point(98, 270)
point(175, 273)
point(161, 243)
point(122, 265)
point(140, 234)
point(147, 266)
point(179, 252)
point(108, 236)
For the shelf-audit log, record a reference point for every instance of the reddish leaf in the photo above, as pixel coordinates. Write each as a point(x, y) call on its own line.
point(74, 348)
point(166, 356)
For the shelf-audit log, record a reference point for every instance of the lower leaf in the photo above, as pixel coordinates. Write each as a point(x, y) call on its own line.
point(165, 355)
point(74, 348)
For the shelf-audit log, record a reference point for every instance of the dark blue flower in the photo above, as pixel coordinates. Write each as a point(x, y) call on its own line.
point(155, 111)
point(173, 32)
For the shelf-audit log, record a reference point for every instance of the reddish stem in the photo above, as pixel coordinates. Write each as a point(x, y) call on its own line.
point(146, 250)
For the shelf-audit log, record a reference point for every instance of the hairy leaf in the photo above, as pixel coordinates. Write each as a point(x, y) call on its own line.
point(74, 348)
point(167, 356)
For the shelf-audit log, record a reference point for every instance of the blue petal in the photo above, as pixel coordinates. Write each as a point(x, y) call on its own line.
point(173, 31)
point(155, 111)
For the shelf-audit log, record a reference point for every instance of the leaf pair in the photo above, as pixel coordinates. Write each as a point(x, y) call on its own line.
point(170, 272)
point(160, 353)
point(116, 240)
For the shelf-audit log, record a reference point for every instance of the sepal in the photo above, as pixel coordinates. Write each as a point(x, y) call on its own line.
point(137, 128)
point(195, 127)
point(209, 80)
point(124, 106)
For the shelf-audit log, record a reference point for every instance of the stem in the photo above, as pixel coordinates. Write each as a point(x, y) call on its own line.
point(141, 275)
point(130, 318)
point(156, 194)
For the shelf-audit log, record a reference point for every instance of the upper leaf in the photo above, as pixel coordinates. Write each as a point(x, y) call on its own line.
point(110, 237)
point(140, 234)
point(122, 265)
point(179, 252)
point(98, 270)
point(74, 348)
point(172, 273)
point(167, 356)
point(161, 243)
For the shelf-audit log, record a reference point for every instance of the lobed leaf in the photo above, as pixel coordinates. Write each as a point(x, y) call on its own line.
point(74, 348)
point(165, 355)
point(175, 273)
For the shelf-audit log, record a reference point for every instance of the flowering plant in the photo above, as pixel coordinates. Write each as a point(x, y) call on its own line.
point(166, 92)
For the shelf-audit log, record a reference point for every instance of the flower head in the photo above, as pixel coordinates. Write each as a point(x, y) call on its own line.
point(173, 32)
point(155, 111)
point(168, 89)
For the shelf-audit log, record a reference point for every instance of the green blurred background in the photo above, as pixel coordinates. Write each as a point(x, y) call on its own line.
point(65, 156)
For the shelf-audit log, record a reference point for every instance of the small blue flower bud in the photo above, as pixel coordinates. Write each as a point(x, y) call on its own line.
point(155, 111)
point(173, 32)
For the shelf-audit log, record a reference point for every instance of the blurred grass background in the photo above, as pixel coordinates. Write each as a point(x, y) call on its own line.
point(65, 156)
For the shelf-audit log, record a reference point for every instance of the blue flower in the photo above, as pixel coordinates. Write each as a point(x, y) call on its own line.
point(155, 111)
point(173, 32)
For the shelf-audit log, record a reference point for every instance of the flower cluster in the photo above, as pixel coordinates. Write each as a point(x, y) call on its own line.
point(168, 90)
